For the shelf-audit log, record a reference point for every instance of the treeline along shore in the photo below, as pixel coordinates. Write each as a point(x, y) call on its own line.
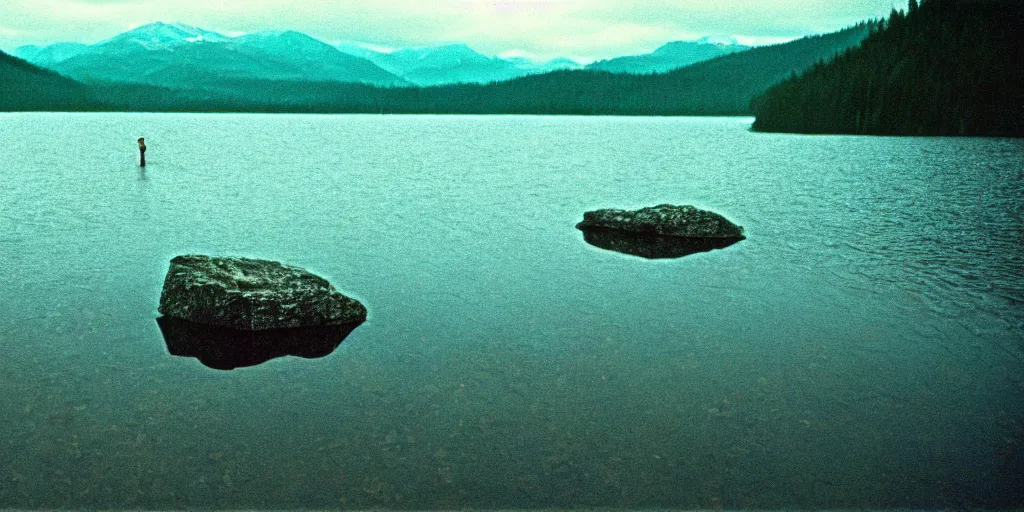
point(939, 67)
point(942, 67)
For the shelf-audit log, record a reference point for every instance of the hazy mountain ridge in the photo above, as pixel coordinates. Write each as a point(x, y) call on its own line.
point(160, 50)
point(48, 56)
point(455, 63)
point(316, 59)
point(178, 55)
point(721, 86)
point(165, 53)
point(670, 56)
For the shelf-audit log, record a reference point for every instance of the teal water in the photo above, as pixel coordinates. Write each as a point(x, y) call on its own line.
point(864, 347)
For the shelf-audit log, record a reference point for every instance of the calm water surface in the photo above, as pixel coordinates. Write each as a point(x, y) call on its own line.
point(864, 347)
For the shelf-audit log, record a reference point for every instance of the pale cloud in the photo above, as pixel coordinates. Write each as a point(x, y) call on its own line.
point(11, 33)
point(582, 28)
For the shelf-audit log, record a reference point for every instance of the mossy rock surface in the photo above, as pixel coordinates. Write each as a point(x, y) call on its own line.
point(666, 220)
point(254, 295)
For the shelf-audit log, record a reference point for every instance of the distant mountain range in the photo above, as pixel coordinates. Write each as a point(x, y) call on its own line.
point(671, 56)
point(908, 77)
point(721, 86)
point(178, 55)
point(49, 56)
point(456, 63)
point(175, 55)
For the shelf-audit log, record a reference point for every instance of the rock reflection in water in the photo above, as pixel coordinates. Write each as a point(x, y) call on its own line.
point(224, 348)
point(650, 246)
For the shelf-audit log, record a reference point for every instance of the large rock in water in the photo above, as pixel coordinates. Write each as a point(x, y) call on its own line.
point(253, 295)
point(665, 220)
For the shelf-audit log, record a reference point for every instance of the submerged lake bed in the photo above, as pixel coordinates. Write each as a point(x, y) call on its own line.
point(862, 348)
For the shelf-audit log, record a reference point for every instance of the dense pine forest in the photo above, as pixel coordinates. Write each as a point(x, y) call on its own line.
point(943, 67)
point(722, 86)
point(26, 87)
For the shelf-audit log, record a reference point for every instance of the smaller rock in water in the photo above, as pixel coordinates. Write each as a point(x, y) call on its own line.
point(253, 295)
point(665, 220)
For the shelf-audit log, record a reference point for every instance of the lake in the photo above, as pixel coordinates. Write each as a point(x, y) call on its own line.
point(863, 348)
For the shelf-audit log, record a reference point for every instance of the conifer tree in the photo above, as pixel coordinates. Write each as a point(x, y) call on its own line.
point(945, 67)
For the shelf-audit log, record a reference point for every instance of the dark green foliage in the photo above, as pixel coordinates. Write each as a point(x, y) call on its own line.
point(945, 67)
point(723, 86)
point(24, 87)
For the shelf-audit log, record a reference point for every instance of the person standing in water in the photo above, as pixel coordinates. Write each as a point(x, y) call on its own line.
point(142, 151)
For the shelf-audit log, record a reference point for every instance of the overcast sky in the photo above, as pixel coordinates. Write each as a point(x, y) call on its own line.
point(543, 28)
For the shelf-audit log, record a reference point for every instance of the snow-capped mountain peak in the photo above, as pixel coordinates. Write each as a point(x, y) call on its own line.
point(161, 35)
point(718, 40)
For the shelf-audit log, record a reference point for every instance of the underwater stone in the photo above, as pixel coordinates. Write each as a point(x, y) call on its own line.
point(253, 295)
point(223, 348)
point(665, 220)
point(651, 246)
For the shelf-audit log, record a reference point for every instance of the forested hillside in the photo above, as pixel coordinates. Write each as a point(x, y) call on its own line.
point(726, 85)
point(24, 87)
point(943, 67)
